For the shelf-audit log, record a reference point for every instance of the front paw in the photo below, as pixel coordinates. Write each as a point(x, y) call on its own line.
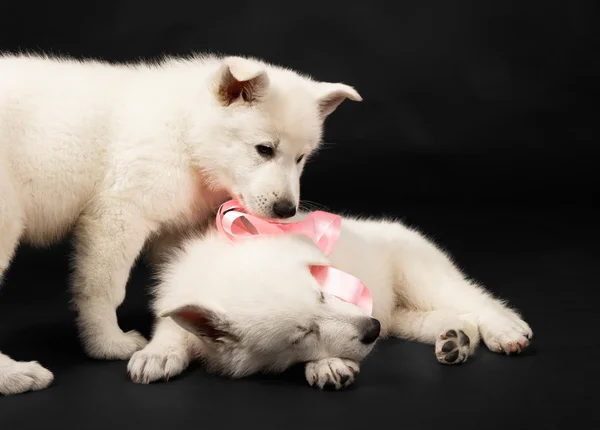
point(114, 346)
point(19, 376)
point(153, 364)
point(331, 373)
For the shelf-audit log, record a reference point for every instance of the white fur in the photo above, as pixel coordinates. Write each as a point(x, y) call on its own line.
point(124, 153)
point(255, 307)
point(262, 290)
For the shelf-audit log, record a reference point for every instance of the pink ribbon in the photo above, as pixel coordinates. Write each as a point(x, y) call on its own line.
point(323, 228)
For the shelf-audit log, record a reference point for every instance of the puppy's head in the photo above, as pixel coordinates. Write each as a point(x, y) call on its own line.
point(270, 121)
point(261, 310)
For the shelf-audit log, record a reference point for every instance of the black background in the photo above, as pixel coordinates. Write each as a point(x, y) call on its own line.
point(479, 125)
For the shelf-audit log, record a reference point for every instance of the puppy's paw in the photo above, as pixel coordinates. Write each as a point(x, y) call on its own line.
point(152, 364)
point(506, 333)
point(453, 347)
point(331, 373)
point(114, 346)
point(18, 377)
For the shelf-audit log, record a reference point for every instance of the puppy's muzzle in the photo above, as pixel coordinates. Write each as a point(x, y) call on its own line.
point(284, 209)
point(371, 331)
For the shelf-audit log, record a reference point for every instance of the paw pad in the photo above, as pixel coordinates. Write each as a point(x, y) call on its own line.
point(452, 347)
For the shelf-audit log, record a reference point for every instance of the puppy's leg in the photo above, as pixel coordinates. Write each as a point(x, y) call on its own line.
point(11, 227)
point(168, 354)
point(430, 280)
point(108, 241)
point(15, 377)
point(455, 336)
point(331, 373)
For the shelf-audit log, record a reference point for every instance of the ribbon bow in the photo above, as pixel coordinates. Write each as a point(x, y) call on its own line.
point(235, 223)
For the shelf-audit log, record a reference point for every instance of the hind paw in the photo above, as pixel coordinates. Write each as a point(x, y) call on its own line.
point(509, 341)
point(506, 334)
point(453, 347)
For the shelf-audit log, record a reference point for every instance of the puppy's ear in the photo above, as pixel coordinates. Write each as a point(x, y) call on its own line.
point(330, 96)
point(241, 79)
point(201, 322)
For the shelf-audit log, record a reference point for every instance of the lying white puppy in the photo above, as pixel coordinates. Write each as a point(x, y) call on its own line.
point(255, 307)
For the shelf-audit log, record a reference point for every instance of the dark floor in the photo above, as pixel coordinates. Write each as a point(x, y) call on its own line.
point(544, 262)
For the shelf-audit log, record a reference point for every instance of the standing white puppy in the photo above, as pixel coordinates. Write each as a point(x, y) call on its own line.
point(122, 153)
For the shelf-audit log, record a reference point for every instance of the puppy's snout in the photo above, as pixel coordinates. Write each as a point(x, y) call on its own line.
point(284, 209)
point(370, 331)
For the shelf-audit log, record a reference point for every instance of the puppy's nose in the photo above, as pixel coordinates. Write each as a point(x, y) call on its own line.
point(284, 209)
point(371, 331)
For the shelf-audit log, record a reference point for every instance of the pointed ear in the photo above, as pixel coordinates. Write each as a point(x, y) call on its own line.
point(330, 96)
point(201, 322)
point(241, 79)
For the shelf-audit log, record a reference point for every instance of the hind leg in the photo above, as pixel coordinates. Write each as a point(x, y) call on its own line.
point(435, 283)
point(15, 377)
point(503, 330)
point(454, 335)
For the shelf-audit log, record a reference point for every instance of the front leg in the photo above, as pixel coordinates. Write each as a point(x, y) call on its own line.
point(108, 241)
point(331, 373)
point(168, 354)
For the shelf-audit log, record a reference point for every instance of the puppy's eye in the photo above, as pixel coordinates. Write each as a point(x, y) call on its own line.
point(299, 159)
point(265, 151)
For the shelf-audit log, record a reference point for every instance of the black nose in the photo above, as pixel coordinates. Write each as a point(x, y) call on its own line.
point(284, 209)
point(371, 331)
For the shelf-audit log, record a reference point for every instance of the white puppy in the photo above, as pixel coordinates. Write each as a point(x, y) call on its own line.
point(124, 153)
point(255, 307)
